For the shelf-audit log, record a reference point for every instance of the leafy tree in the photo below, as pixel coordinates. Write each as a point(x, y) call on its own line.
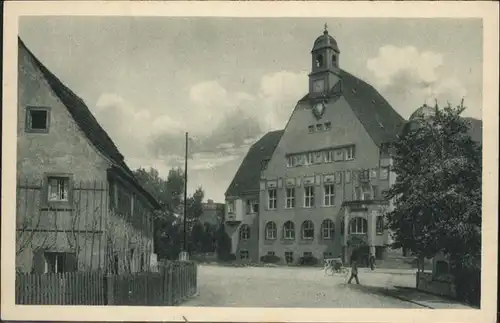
point(195, 204)
point(437, 194)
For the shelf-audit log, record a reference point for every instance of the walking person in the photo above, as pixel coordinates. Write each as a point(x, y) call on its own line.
point(354, 271)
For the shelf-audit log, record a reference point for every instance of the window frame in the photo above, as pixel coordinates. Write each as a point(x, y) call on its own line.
point(46, 190)
point(330, 195)
point(289, 233)
point(27, 126)
point(330, 229)
point(244, 232)
point(349, 153)
point(271, 228)
point(364, 225)
point(251, 203)
point(303, 230)
point(289, 198)
point(379, 225)
point(246, 252)
point(309, 197)
point(289, 257)
point(230, 206)
point(273, 199)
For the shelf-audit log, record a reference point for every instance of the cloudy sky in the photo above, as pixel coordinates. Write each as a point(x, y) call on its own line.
point(227, 81)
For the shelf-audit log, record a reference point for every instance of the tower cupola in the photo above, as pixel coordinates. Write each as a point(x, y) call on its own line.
point(325, 64)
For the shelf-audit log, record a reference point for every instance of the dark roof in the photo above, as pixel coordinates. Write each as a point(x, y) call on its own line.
point(248, 175)
point(378, 117)
point(87, 122)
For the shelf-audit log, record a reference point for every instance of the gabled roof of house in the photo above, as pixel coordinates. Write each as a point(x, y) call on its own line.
point(247, 177)
point(376, 115)
point(87, 123)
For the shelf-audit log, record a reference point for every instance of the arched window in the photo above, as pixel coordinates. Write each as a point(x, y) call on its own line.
point(327, 229)
point(307, 230)
point(271, 231)
point(380, 225)
point(358, 226)
point(319, 60)
point(289, 230)
point(244, 232)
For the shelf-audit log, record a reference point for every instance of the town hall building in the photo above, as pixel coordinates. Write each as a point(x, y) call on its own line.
point(316, 187)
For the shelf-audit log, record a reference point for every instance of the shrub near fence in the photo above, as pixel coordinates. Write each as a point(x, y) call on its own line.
point(176, 282)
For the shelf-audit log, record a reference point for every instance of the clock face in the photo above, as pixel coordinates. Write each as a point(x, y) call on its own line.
point(319, 86)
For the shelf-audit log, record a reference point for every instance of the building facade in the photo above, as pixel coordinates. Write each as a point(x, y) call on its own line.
point(320, 183)
point(79, 206)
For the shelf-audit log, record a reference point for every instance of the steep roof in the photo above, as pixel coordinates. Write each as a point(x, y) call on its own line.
point(248, 175)
point(376, 115)
point(87, 123)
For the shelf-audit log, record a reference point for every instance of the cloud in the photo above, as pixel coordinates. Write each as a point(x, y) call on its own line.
point(222, 124)
point(410, 78)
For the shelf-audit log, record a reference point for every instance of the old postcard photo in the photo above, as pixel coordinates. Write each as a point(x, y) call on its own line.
point(250, 161)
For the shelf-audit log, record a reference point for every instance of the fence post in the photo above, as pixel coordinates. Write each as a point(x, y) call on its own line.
point(109, 290)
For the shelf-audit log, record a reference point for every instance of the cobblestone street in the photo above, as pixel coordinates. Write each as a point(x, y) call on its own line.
point(295, 287)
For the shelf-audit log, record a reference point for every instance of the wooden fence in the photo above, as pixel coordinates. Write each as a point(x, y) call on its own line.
point(176, 282)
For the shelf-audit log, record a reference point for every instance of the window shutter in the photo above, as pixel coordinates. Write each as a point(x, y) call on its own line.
point(71, 262)
point(38, 261)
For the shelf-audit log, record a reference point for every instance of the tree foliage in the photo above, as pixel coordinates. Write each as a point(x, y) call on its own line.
point(169, 235)
point(437, 194)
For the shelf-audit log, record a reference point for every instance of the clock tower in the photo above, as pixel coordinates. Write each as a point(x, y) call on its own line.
point(325, 66)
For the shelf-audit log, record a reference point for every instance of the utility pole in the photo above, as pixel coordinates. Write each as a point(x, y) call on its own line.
point(185, 253)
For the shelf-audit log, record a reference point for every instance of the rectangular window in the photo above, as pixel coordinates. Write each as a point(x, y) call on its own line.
point(58, 189)
point(290, 161)
point(328, 125)
point(230, 207)
point(318, 157)
point(271, 205)
point(252, 206)
point(329, 195)
point(309, 158)
point(319, 127)
point(60, 262)
point(308, 254)
point(384, 173)
point(244, 255)
point(311, 129)
point(338, 154)
point(309, 196)
point(37, 119)
point(271, 253)
point(328, 156)
point(289, 257)
point(349, 153)
point(290, 197)
point(380, 225)
point(327, 255)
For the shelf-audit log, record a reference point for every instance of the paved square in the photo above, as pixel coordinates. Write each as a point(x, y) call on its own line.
point(295, 287)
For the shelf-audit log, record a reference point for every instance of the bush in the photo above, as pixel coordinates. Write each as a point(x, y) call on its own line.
point(270, 259)
point(468, 286)
point(308, 261)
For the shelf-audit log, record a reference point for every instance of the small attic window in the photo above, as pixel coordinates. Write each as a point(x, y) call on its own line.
point(37, 119)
